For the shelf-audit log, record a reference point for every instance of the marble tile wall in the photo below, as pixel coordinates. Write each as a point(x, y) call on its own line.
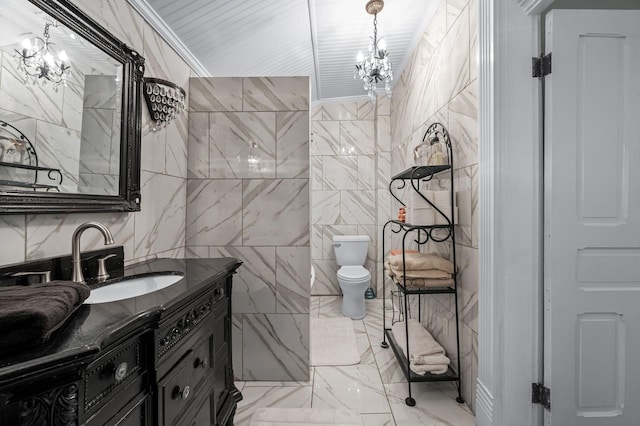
point(158, 230)
point(248, 197)
point(440, 84)
point(350, 160)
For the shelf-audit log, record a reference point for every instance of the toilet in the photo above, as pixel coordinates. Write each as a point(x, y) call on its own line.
point(351, 253)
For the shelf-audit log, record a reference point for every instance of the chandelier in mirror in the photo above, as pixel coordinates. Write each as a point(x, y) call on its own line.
point(376, 66)
point(40, 63)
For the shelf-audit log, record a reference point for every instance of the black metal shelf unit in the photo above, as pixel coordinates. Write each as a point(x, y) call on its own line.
point(421, 234)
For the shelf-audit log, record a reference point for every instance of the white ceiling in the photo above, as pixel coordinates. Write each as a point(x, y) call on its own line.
point(318, 38)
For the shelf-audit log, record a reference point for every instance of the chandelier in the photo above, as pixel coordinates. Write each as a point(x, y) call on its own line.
point(39, 63)
point(376, 66)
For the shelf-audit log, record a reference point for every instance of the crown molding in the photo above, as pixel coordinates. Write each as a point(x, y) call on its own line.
point(167, 34)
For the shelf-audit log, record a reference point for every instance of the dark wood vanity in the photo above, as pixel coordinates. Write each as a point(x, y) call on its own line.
point(159, 359)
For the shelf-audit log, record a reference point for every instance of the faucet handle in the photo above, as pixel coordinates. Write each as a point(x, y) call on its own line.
point(102, 270)
point(45, 276)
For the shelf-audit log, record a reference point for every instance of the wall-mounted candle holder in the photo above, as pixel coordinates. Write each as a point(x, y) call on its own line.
point(165, 101)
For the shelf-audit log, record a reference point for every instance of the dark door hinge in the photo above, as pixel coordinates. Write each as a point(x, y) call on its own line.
point(541, 395)
point(541, 66)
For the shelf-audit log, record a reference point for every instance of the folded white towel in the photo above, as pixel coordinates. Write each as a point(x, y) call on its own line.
point(426, 355)
point(421, 261)
point(417, 273)
point(433, 369)
point(436, 359)
point(421, 342)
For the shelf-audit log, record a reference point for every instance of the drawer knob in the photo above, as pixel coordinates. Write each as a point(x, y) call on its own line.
point(181, 393)
point(200, 363)
point(121, 371)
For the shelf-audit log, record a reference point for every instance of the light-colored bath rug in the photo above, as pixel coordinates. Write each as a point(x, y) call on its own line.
point(272, 416)
point(333, 342)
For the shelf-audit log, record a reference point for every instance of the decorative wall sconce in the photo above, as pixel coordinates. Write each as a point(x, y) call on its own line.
point(165, 101)
point(39, 63)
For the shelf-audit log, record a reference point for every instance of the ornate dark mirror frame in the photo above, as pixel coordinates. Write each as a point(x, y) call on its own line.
point(128, 198)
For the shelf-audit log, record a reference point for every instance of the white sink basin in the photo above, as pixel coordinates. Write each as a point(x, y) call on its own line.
point(132, 287)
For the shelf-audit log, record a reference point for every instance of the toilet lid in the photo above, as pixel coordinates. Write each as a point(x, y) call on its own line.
point(353, 273)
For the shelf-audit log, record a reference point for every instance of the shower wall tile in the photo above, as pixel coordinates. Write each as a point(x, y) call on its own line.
point(293, 272)
point(383, 172)
point(383, 131)
point(343, 111)
point(275, 347)
point(268, 210)
point(326, 208)
point(214, 214)
point(366, 110)
point(455, 51)
point(474, 55)
point(154, 144)
point(358, 207)
point(463, 126)
point(162, 61)
point(160, 226)
point(176, 147)
point(366, 172)
point(292, 144)
point(316, 165)
point(209, 94)
point(454, 9)
point(326, 282)
point(467, 262)
point(462, 184)
point(236, 336)
point(198, 145)
point(117, 17)
point(340, 172)
point(231, 137)
point(316, 241)
point(275, 94)
point(474, 206)
point(275, 212)
point(254, 285)
point(326, 138)
point(357, 137)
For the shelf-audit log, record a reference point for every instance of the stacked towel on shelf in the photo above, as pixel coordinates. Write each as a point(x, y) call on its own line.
point(29, 314)
point(420, 270)
point(426, 355)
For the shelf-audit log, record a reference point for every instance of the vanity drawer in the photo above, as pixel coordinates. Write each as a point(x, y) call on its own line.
point(112, 371)
point(184, 382)
point(181, 325)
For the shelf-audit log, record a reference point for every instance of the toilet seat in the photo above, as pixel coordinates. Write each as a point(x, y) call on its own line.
point(353, 273)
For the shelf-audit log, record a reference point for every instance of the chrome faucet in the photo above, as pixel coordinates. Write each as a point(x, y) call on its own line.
point(75, 247)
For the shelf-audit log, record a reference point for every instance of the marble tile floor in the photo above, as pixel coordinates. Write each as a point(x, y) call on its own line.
point(375, 388)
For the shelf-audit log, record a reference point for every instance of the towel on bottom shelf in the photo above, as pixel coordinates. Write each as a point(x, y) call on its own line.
point(420, 261)
point(445, 281)
point(29, 314)
point(426, 355)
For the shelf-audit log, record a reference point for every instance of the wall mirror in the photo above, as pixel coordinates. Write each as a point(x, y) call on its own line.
point(70, 108)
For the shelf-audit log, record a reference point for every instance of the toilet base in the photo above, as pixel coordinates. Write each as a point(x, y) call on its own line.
point(354, 307)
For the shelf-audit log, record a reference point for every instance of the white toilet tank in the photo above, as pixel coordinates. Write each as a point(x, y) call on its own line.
point(350, 250)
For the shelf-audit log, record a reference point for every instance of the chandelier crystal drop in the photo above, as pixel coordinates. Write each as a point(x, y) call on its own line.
point(40, 63)
point(376, 66)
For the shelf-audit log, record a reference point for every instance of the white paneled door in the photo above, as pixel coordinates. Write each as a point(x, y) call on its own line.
point(592, 218)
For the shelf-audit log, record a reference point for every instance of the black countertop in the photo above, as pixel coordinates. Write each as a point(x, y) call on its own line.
point(93, 327)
